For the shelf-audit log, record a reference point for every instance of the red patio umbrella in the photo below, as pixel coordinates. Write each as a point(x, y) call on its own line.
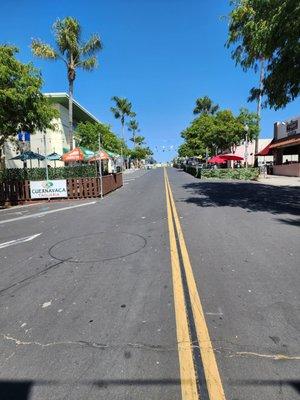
point(230, 157)
point(73, 155)
point(100, 155)
point(216, 160)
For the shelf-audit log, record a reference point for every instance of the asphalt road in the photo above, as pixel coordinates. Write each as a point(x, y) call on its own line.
point(87, 305)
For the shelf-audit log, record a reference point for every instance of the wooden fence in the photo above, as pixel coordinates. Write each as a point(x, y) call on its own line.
point(15, 192)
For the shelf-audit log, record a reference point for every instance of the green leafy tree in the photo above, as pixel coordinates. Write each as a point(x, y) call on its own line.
point(121, 110)
point(220, 132)
point(72, 51)
point(184, 150)
point(268, 30)
point(227, 132)
point(87, 135)
point(140, 153)
point(204, 105)
point(197, 136)
point(22, 105)
point(133, 126)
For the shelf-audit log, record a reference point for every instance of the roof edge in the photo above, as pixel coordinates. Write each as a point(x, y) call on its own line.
point(65, 95)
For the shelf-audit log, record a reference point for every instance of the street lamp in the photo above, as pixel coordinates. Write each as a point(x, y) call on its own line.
point(246, 128)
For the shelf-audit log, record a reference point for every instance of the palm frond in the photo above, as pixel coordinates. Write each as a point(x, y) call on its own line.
point(124, 107)
point(116, 112)
point(43, 50)
point(88, 64)
point(93, 45)
point(67, 35)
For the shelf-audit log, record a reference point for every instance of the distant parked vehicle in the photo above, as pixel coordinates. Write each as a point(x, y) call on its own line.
point(193, 161)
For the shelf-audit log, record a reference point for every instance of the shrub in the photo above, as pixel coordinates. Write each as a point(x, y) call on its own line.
point(36, 174)
point(224, 173)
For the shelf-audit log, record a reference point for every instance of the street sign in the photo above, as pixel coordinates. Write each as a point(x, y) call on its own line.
point(48, 189)
point(24, 136)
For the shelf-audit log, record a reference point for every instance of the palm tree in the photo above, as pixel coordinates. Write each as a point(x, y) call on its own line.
point(122, 109)
point(133, 126)
point(139, 140)
point(73, 52)
point(204, 105)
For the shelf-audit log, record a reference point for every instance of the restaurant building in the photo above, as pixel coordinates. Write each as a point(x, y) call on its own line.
point(285, 147)
point(56, 139)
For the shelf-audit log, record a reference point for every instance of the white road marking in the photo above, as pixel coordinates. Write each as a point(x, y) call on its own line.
point(219, 313)
point(41, 214)
point(128, 180)
point(17, 241)
point(47, 304)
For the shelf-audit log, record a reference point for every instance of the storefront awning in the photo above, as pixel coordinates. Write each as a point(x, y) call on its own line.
point(266, 151)
point(294, 141)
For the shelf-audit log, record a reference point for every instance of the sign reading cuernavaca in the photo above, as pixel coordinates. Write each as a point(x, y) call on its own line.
point(48, 189)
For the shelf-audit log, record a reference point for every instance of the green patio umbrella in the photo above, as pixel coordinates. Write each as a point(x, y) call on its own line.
point(53, 157)
point(112, 154)
point(29, 155)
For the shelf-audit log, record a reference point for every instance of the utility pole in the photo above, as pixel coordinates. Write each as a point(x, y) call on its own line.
point(46, 161)
point(261, 78)
point(100, 167)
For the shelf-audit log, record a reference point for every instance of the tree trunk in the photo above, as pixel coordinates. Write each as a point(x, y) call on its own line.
point(259, 108)
point(133, 135)
point(70, 133)
point(122, 122)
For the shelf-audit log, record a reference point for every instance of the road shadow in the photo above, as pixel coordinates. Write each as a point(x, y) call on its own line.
point(294, 384)
point(21, 390)
point(247, 195)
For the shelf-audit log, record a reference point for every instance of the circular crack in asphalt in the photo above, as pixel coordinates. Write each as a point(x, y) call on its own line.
point(111, 245)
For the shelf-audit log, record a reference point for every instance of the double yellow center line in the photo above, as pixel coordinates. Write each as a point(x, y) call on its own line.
point(199, 374)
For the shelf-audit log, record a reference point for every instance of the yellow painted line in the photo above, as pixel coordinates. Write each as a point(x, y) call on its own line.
point(212, 376)
point(186, 364)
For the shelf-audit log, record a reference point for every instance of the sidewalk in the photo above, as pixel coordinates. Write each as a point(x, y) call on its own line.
point(278, 180)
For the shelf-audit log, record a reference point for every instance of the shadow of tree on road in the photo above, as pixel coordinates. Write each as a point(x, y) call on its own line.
point(22, 390)
point(247, 195)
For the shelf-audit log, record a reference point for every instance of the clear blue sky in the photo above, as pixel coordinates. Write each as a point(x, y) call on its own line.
point(160, 54)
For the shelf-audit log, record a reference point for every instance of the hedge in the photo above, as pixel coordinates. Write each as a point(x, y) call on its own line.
point(36, 174)
point(224, 173)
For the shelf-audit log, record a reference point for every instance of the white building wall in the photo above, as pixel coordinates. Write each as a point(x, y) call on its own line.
point(56, 141)
point(262, 143)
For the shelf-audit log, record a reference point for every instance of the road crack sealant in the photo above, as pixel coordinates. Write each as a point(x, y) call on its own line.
point(54, 249)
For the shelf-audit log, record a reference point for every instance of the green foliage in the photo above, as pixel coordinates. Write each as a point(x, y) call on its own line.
point(204, 105)
point(140, 153)
point(231, 173)
point(223, 173)
point(21, 174)
point(186, 150)
point(22, 105)
point(139, 140)
point(268, 30)
point(196, 172)
point(133, 126)
point(222, 131)
point(87, 135)
point(122, 109)
point(69, 47)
